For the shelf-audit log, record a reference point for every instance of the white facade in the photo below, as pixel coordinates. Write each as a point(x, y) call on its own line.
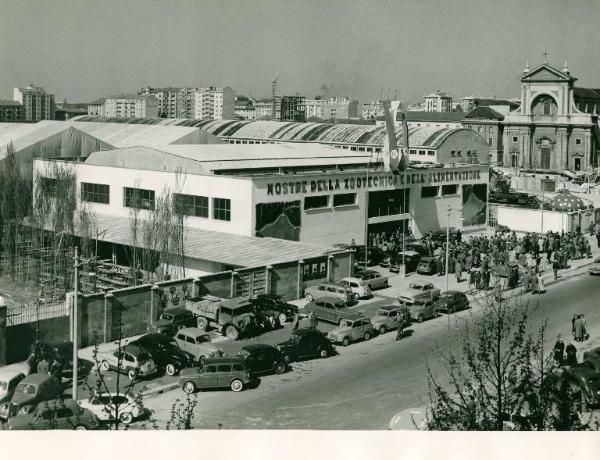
point(214, 103)
point(438, 102)
point(314, 108)
point(167, 100)
point(133, 106)
point(37, 104)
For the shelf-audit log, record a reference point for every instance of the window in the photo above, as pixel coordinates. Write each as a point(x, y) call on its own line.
point(421, 152)
point(490, 129)
point(490, 140)
point(459, 153)
point(429, 192)
point(479, 129)
point(316, 202)
point(224, 368)
point(48, 186)
point(578, 141)
point(210, 369)
point(95, 193)
point(430, 153)
point(451, 189)
point(191, 205)
point(222, 209)
point(388, 202)
point(546, 107)
point(139, 198)
point(344, 199)
point(413, 151)
point(453, 153)
point(238, 368)
point(515, 138)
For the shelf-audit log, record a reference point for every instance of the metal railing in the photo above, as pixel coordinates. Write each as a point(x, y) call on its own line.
point(31, 313)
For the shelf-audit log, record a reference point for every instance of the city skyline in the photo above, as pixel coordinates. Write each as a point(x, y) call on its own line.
point(348, 49)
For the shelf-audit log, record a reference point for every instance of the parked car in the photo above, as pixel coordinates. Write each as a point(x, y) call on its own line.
point(305, 343)
point(390, 317)
point(108, 406)
point(442, 234)
point(131, 360)
point(427, 266)
point(452, 301)
point(330, 309)
point(417, 246)
point(57, 414)
point(409, 258)
point(329, 290)
point(63, 352)
point(263, 359)
point(9, 379)
point(173, 319)
point(286, 311)
point(197, 343)
point(358, 287)
point(420, 310)
point(374, 255)
point(419, 290)
point(351, 330)
point(29, 392)
point(229, 372)
point(374, 279)
point(166, 353)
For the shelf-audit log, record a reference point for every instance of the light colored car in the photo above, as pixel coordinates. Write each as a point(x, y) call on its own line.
point(9, 380)
point(374, 279)
point(330, 309)
point(105, 407)
point(358, 287)
point(351, 330)
point(131, 360)
point(420, 310)
point(390, 317)
point(329, 290)
point(419, 290)
point(197, 343)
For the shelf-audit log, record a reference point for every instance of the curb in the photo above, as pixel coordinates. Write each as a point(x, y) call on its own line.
point(160, 390)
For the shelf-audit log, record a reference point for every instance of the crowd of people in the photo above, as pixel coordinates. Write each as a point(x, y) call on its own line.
point(500, 259)
point(45, 360)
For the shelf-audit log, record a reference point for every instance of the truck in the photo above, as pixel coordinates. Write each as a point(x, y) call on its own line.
point(231, 317)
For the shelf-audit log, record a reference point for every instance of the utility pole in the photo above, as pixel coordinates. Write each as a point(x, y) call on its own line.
point(75, 316)
point(447, 244)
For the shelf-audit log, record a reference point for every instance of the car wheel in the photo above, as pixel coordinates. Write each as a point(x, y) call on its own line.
point(279, 367)
point(420, 318)
point(367, 336)
point(287, 359)
point(202, 323)
point(282, 318)
point(126, 417)
point(81, 428)
point(170, 369)
point(323, 353)
point(132, 374)
point(237, 385)
point(309, 297)
point(231, 332)
point(382, 330)
point(105, 366)
point(346, 341)
point(189, 387)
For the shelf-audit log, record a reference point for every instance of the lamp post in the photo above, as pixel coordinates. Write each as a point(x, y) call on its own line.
point(447, 244)
point(75, 316)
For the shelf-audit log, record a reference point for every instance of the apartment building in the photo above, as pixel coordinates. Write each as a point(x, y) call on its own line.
point(37, 104)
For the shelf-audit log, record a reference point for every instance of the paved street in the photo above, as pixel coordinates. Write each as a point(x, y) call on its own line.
point(367, 383)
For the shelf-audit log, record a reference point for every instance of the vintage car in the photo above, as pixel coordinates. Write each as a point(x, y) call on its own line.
point(9, 379)
point(131, 360)
point(166, 353)
point(305, 343)
point(420, 310)
point(57, 414)
point(108, 406)
point(262, 359)
point(391, 317)
point(351, 330)
point(419, 290)
point(229, 372)
point(329, 290)
point(197, 343)
point(452, 301)
point(29, 392)
point(410, 259)
point(330, 309)
point(374, 279)
point(173, 319)
point(427, 266)
point(285, 311)
point(358, 287)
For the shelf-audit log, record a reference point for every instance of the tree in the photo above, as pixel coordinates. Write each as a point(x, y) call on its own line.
point(499, 373)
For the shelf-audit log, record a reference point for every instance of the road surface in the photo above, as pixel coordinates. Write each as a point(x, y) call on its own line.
point(367, 383)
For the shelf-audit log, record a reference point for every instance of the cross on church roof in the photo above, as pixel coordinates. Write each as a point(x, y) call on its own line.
point(545, 57)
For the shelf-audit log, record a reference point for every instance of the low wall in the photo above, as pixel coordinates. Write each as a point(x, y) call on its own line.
point(533, 220)
point(19, 338)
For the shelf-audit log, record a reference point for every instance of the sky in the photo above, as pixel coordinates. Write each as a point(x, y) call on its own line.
point(85, 49)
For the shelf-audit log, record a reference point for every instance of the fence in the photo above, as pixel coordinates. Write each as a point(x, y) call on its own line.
point(32, 313)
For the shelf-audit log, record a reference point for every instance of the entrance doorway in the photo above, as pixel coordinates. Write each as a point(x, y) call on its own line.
point(545, 156)
point(515, 161)
point(577, 164)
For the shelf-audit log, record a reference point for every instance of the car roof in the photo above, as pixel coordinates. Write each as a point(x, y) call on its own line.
point(37, 379)
point(7, 374)
point(409, 253)
point(224, 360)
point(351, 278)
point(133, 349)
point(53, 403)
point(196, 331)
point(258, 347)
point(306, 331)
point(155, 337)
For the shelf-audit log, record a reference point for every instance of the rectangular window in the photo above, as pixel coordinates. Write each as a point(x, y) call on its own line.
point(389, 202)
point(429, 192)
point(48, 186)
point(490, 140)
point(421, 152)
point(413, 151)
point(344, 199)
point(95, 193)
point(430, 153)
point(191, 205)
point(222, 209)
point(453, 153)
point(515, 138)
point(316, 202)
point(490, 129)
point(451, 189)
point(578, 141)
point(138, 198)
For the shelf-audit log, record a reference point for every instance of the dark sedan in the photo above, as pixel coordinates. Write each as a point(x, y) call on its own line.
point(263, 359)
point(285, 311)
point(452, 301)
point(165, 352)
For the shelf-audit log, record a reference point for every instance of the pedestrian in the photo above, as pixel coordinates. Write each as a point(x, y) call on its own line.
point(313, 319)
point(540, 287)
point(571, 352)
point(43, 366)
point(32, 361)
point(579, 328)
point(555, 265)
point(458, 271)
point(573, 324)
point(559, 350)
point(584, 331)
point(57, 369)
point(598, 238)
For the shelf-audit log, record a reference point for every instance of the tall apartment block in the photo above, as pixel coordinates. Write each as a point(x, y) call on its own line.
point(37, 104)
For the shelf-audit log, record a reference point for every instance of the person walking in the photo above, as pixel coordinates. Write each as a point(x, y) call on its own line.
point(579, 327)
point(571, 352)
point(458, 270)
point(43, 366)
point(584, 333)
point(57, 369)
point(559, 351)
point(555, 265)
point(313, 319)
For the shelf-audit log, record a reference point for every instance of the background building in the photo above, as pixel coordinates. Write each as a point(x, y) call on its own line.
point(37, 104)
point(292, 108)
point(130, 106)
point(438, 102)
point(167, 100)
point(11, 111)
point(65, 110)
point(499, 105)
point(214, 103)
point(488, 123)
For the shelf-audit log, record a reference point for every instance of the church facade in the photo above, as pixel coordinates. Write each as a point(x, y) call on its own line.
point(556, 126)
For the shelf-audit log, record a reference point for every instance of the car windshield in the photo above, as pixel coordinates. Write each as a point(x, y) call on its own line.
point(167, 316)
point(346, 323)
point(26, 388)
point(418, 287)
point(383, 312)
point(446, 296)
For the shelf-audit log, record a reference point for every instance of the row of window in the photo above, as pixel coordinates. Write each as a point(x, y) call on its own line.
point(422, 152)
point(322, 201)
point(188, 205)
point(458, 153)
point(515, 139)
point(434, 191)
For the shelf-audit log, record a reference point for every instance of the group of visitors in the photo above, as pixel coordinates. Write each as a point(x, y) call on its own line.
point(564, 355)
point(43, 360)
